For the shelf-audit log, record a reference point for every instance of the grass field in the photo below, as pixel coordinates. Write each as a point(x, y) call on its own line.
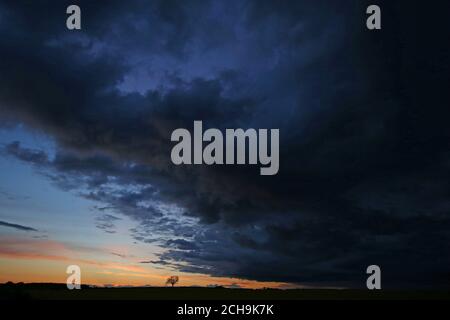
point(60, 292)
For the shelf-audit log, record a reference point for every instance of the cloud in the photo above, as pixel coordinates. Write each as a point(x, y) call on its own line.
point(105, 222)
point(364, 163)
point(119, 255)
point(16, 226)
point(50, 250)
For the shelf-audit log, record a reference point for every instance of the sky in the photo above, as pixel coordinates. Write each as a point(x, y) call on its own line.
point(86, 117)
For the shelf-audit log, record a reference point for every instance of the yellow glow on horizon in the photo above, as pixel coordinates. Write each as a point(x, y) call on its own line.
point(41, 270)
point(25, 260)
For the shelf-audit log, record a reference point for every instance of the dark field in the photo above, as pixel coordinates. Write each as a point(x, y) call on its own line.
point(60, 292)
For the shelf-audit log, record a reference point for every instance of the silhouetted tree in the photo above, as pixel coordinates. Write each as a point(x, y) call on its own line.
point(172, 280)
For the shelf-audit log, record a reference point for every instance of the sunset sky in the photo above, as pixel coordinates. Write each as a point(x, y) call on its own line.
point(86, 118)
point(69, 229)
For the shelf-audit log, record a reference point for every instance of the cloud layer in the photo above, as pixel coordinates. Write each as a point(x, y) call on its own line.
point(364, 161)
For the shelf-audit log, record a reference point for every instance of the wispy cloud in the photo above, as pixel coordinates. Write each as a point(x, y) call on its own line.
point(119, 254)
point(17, 226)
point(105, 222)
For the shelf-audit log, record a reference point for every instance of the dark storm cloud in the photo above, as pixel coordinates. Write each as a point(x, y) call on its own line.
point(16, 226)
point(34, 156)
point(182, 244)
point(364, 172)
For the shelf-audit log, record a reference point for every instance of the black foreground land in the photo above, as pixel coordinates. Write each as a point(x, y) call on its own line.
point(60, 292)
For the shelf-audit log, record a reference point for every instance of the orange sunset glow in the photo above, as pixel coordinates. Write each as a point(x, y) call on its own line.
point(25, 260)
